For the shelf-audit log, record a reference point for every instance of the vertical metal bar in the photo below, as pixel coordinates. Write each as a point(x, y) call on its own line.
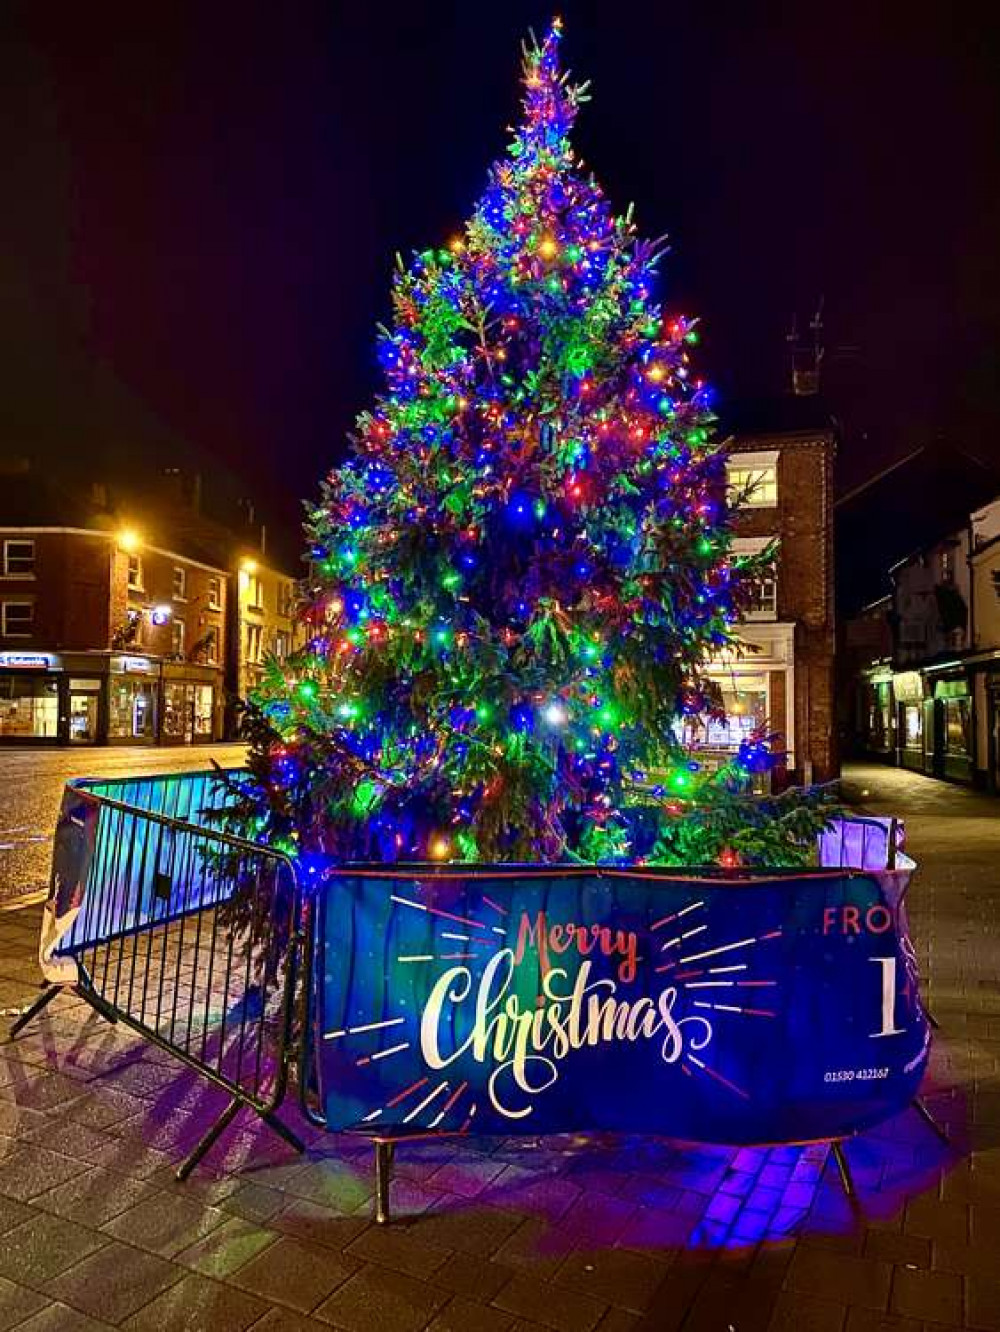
point(384, 1153)
point(228, 977)
point(185, 875)
point(196, 967)
point(123, 908)
point(273, 870)
point(110, 890)
point(248, 971)
point(157, 862)
point(147, 834)
point(210, 979)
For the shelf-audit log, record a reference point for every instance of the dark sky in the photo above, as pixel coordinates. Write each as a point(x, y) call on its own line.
point(201, 201)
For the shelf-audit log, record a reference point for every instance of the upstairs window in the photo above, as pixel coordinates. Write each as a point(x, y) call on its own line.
point(255, 592)
point(177, 628)
point(753, 479)
point(180, 583)
point(762, 588)
point(135, 583)
point(18, 558)
point(763, 604)
point(255, 644)
point(17, 619)
point(215, 594)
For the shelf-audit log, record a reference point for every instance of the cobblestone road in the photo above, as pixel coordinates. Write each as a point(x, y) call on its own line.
point(569, 1234)
point(31, 783)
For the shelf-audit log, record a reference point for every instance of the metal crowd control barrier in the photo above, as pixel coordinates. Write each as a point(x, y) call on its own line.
point(183, 933)
point(206, 944)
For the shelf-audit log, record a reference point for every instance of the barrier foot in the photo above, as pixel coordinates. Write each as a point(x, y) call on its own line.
point(929, 1119)
point(48, 993)
point(210, 1138)
point(385, 1153)
point(844, 1170)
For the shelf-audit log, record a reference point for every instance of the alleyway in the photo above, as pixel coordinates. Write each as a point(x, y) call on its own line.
point(572, 1234)
point(954, 835)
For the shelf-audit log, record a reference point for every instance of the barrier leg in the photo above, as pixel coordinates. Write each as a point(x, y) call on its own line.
point(210, 1138)
point(384, 1155)
point(844, 1170)
point(222, 1123)
point(283, 1131)
point(48, 993)
point(929, 1119)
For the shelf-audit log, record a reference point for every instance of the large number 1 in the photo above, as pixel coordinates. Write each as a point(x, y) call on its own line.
point(889, 1028)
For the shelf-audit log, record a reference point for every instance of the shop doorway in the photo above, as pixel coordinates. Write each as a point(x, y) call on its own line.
point(187, 712)
point(84, 711)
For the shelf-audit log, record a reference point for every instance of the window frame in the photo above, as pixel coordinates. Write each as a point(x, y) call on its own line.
point(25, 574)
point(5, 607)
point(255, 634)
point(181, 595)
point(135, 563)
point(748, 546)
point(178, 636)
point(750, 465)
point(214, 594)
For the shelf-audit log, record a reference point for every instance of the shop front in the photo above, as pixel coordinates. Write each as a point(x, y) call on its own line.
point(133, 700)
point(953, 735)
point(192, 701)
point(757, 693)
point(992, 718)
point(107, 698)
point(875, 721)
point(30, 690)
point(908, 691)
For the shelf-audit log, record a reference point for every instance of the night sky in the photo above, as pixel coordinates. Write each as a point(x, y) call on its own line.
point(201, 203)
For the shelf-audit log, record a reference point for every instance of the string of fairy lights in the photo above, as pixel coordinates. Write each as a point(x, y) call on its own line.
point(521, 573)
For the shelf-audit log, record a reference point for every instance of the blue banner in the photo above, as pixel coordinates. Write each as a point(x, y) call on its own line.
point(779, 1008)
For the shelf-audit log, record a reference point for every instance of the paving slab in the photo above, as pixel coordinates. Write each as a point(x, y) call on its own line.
point(588, 1235)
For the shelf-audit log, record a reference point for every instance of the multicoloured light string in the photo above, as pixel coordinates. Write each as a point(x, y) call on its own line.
point(522, 572)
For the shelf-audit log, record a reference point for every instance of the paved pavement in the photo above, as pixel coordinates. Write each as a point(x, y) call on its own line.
point(570, 1234)
point(31, 783)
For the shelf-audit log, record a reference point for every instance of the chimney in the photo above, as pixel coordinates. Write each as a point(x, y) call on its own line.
point(806, 355)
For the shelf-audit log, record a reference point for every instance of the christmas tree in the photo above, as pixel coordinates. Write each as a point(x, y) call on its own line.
point(524, 569)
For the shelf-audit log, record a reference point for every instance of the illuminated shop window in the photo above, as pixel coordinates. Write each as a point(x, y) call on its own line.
point(913, 725)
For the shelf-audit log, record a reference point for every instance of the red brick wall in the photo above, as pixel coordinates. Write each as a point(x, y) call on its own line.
point(803, 521)
point(69, 591)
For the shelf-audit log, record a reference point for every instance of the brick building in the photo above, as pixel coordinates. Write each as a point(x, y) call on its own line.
point(106, 641)
point(137, 630)
point(781, 460)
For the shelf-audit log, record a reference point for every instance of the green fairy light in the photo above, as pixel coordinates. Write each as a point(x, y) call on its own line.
point(490, 661)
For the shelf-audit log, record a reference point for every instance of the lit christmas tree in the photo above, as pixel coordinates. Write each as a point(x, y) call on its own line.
point(522, 572)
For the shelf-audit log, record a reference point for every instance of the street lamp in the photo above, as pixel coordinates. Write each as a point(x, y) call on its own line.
point(129, 540)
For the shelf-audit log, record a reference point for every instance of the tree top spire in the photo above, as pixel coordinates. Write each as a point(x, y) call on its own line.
point(550, 100)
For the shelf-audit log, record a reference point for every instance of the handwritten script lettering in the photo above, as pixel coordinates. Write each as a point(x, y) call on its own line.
point(586, 939)
point(527, 1043)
